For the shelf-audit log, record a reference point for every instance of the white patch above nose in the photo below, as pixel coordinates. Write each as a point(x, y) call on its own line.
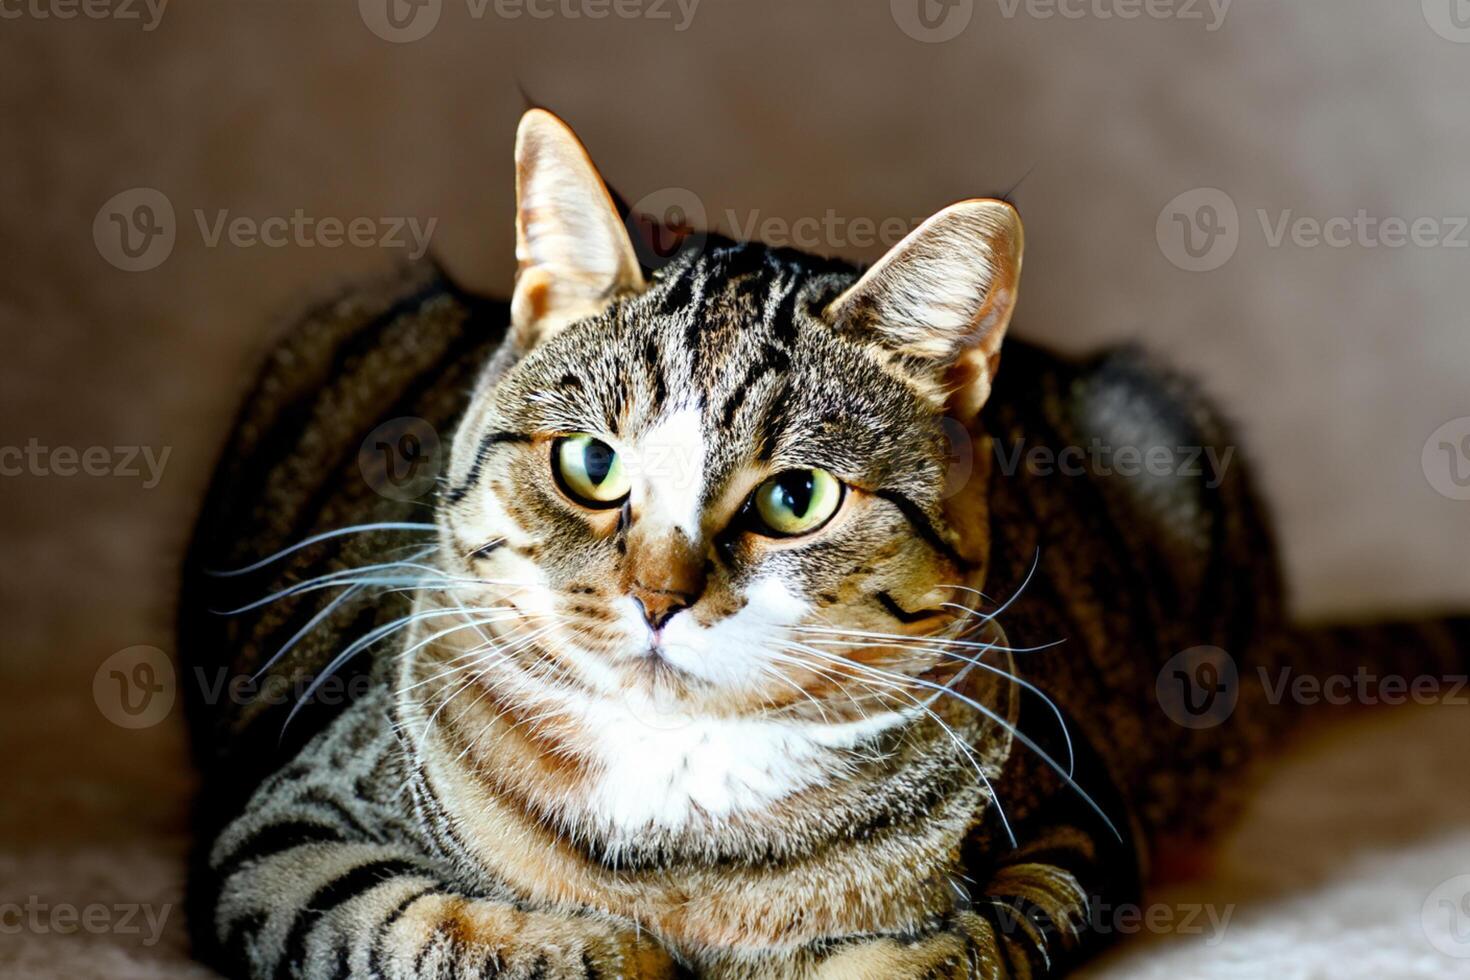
point(669, 463)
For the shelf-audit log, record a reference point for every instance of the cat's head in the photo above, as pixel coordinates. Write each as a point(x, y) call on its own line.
point(724, 483)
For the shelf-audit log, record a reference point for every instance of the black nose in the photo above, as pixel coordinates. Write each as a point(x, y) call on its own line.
point(658, 606)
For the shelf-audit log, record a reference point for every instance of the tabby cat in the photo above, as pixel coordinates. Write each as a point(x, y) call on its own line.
point(684, 666)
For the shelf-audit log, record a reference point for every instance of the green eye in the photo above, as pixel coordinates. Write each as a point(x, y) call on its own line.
point(589, 471)
point(796, 502)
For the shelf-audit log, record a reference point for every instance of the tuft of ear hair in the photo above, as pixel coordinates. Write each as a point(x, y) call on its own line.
point(945, 294)
point(572, 250)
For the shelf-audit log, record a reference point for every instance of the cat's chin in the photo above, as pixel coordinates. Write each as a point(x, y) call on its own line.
point(652, 674)
point(654, 667)
point(653, 685)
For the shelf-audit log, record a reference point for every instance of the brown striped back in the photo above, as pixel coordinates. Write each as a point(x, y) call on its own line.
point(294, 467)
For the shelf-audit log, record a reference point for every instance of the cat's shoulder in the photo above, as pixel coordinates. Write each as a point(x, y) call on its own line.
point(1124, 428)
point(1123, 392)
point(381, 361)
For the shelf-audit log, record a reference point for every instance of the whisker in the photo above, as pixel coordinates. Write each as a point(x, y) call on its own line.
point(466, 659)
point(964, 588)
point(502, 656)
point(354, 648)
point(1019, 735)
point(369, 638)
point(313, 623)
point(953, 736)
point(317, 539)
point(345, 576)
point(893, 639)
point(1013, 678)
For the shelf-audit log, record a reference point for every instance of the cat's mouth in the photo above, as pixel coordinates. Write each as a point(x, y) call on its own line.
point(653, 658)
point(654, 665)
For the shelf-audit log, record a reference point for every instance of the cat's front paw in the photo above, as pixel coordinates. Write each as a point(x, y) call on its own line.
point(964, 950)
point(471, 939)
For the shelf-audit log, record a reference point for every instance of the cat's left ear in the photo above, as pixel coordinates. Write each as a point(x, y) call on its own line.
point(944, 294)
point(573, 252)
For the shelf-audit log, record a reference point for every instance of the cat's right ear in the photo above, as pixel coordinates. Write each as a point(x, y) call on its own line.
point(572, 251)
point(944, 295)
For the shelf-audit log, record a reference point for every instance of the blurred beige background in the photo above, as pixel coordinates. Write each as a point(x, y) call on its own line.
point(1338, 362)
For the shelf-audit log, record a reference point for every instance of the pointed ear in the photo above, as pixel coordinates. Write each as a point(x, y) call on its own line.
point(944, 294)
point(573, 253)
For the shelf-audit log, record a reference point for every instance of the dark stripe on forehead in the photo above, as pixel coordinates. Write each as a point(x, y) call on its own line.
point(783, 318)
point(692, 335)
point(775, 422)
point(487, 444)
point(920, 521)
point(747, 269)
point(681, 288)
point(653, 365)
point(772, 358)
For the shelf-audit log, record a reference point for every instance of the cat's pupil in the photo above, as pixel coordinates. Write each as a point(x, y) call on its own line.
point(796, 491)
point(597, 459)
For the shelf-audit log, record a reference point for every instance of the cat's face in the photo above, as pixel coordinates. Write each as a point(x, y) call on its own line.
point(724, 488)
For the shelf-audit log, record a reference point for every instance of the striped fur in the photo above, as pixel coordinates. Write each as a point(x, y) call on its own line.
point(515, 792)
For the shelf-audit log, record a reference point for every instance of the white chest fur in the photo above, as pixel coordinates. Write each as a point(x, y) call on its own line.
point(663, 770)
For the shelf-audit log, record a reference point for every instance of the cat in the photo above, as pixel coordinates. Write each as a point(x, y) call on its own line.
point(683, 667)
